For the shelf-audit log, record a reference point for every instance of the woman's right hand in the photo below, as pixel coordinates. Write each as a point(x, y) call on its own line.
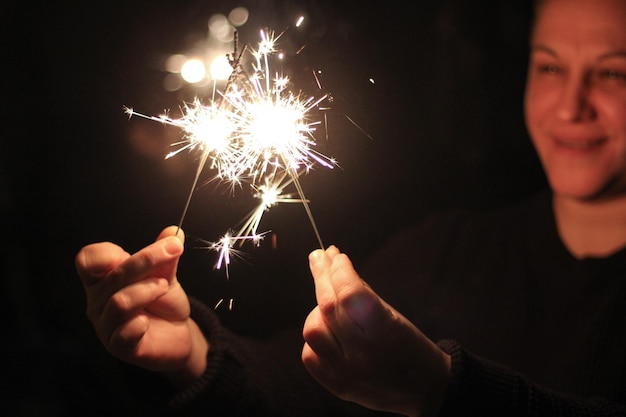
point(138, 308)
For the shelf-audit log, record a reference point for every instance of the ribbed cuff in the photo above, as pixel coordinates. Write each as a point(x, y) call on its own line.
point(220, 366)
point(478, 387)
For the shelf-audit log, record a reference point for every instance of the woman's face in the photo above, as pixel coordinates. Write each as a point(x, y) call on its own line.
point(575, 104)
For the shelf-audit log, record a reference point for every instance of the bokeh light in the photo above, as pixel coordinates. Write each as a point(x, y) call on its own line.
point(221, 68)
point(238, 16)
point(209, 62)
point(193, 71)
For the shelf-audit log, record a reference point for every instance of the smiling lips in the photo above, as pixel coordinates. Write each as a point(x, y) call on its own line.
point(580, 144)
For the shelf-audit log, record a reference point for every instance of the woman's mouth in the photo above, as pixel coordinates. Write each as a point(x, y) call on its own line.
point(580, 144)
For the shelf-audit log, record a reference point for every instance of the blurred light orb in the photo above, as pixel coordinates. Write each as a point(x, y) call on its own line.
point(238, 16)
point(220, 28)
point(193, 71)
point(227, 35)
point(174, 63)
point(221, 68)
point(217, 22)
point(172, 82)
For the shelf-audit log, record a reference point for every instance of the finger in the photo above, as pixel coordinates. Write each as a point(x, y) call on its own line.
point(158, 260)
point(172, 231)
point(326, 373)
point(93, 263)
point(310, 359)
point(319, 264)
point(315, 365)
point(320, 337)
point(126, 303)
point(359, 302)
point(123, 341)
point(180, 234)
point(98, 259)
point(338, 288)
point(332, 251)
point(330, 312)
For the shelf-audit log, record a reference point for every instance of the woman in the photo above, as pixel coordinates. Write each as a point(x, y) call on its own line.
point(527, 304)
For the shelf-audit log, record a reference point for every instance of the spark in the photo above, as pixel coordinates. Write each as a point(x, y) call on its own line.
point(269, 194)
point(231, 302)
point(225, 248)
point(256, 131)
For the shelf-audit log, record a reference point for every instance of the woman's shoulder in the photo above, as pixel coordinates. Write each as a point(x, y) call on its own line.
point(521, 216)
point(462, 239)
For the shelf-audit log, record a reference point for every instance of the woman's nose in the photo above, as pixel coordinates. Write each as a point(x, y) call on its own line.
point(574, 103)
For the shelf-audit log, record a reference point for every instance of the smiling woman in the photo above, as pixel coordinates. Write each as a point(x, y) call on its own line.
point(516, 310)
point(576, 114)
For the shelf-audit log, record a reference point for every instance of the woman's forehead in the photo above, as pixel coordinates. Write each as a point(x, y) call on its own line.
point(581, 24)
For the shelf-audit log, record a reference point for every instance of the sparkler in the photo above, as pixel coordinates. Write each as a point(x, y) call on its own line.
point(257, 131)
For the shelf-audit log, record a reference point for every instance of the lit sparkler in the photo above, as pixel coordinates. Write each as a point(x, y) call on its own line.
point(270, 193)
point(257, 131)
point(225, 248)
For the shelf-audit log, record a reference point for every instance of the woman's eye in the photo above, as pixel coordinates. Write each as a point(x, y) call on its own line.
point(613, 75)
point(549, 69)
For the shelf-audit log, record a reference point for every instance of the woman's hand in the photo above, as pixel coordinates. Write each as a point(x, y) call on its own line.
point(363, 350)
point(138, 308)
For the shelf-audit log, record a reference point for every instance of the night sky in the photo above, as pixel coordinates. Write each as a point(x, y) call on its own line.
point(444, 127)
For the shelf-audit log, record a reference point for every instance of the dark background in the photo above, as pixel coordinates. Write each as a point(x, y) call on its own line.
point(445, 120)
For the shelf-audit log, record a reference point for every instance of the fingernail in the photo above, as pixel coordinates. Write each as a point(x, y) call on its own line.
point(172, 246)
point(316, 255)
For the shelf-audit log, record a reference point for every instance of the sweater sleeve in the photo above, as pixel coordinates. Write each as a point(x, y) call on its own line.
point(479, 387)
point(222, 385)
point(246, 377)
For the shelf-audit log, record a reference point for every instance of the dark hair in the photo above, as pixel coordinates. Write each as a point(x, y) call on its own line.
point(534, 9)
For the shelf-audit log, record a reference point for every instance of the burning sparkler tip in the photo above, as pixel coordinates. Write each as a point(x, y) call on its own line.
point(257, 131)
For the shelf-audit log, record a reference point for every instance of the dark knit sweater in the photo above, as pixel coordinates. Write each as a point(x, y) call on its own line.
point(532, 331)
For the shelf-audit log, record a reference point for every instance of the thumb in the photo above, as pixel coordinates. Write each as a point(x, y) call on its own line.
point(172, 231)
point(319, 264)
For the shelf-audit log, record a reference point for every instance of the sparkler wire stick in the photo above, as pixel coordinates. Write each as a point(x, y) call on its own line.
point(307, 208)
point(205, 155)
point(234, 63)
